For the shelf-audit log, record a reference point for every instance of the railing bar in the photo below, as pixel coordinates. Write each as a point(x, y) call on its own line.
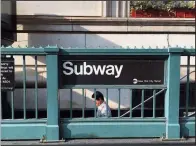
point(144, 102)
point(154, 103)
point(95, 114)
point(191, 114)
point(114, 87)
point(142, 107)
point(24, 86)
point(36, 89)
point(70, 103)
point(119, 103)
point(12, 103)
point(131, 103)
point(83, 106)
point(187, 85)
point(85, 98)
point(187, 75)
point(107, 101)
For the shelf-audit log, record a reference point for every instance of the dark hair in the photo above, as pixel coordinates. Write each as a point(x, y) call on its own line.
point(98, 95)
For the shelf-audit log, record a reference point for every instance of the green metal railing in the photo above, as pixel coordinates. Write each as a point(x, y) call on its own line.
point(23, 85)
point(125, 120)
point(187, 90)
point(137, 102)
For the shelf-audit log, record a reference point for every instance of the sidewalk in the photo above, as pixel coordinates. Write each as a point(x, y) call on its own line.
point(103, 142)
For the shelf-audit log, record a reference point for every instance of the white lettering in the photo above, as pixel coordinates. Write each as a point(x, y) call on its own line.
point(110, 68)
point(69, 68)
point(118, 71)
point(80, 70)
point(102, 70)
point(85, 69)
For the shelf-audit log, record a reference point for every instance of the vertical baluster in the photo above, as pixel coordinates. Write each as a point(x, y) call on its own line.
point(118, 102)
point(187, 85)
point(36, 89)
point(70, 103)
point(83, 106)
point(131, 103)
point(107, 100)
point(12, 103)
point(12, 99)
point(154, 103)
point(95, 113)
point(85, 98)
point(142, 107)
point(24, 86)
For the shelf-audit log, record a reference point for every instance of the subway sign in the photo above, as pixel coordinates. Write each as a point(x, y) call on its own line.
point(7, 74)
point(110, 70)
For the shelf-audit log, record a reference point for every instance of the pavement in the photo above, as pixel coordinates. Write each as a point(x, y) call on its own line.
point(103, 142)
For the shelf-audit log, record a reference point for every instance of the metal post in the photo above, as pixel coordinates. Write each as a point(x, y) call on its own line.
point(172, 97)
point(52, 131)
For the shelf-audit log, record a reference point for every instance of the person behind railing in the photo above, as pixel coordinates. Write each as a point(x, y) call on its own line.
point(103, 110)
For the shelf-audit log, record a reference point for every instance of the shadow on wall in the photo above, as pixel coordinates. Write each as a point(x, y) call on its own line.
point(65, 40)
point(86, 41)
point(81, 41)
point(90, 40)
point(77, 98)
point(77, 95)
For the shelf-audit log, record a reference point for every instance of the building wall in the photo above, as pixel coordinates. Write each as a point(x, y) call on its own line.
point(91, 41)
point(59, 8)
point(65, 35)
point(74, 8)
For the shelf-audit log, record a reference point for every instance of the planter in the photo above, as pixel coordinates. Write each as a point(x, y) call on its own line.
point(185, 13)
point(177, 13)
point(151, 14)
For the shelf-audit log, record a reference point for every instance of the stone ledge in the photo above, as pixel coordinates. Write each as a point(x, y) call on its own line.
point(30, 28)
point(32, 19)
point(59, 24)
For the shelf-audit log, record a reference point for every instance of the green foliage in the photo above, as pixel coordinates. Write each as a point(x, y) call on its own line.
point(162, 5)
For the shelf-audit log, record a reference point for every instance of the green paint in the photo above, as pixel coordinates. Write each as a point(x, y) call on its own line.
point(36, 89)
point(172, 97)
point(154, 103)
point(187, 127)
point(104, 127)
point(24, 86)
point(52, 132)
point(116, 86)
point(187, 85)
point(22, 131)
point(113, 129)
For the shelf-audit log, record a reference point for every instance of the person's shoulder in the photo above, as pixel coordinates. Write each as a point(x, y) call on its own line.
point(105, 106)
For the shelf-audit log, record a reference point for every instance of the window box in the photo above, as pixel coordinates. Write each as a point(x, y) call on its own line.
point(151, 14)
point(185, 13)
point(177, 13)
point(164, 9)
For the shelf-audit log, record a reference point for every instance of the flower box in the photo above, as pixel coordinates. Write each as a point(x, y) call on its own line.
point(177, 13)
point(151, 14)
point(185, 13)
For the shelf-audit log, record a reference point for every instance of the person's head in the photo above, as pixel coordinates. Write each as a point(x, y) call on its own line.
point(98, 97)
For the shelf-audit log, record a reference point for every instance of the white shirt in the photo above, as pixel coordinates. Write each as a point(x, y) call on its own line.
point(103, 109)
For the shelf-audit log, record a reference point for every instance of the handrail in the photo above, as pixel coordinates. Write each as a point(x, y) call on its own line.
point(187, 75)
point(100, 50)
point(191, 114)
point(152, 97)
point(22, 51)
point(143, 102)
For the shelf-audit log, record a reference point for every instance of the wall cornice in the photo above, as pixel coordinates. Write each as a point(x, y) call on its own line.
point(96, 24)
point(104, 21)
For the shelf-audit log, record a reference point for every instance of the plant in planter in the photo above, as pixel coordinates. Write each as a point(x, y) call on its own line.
point(160, 8)
point(182, 9)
